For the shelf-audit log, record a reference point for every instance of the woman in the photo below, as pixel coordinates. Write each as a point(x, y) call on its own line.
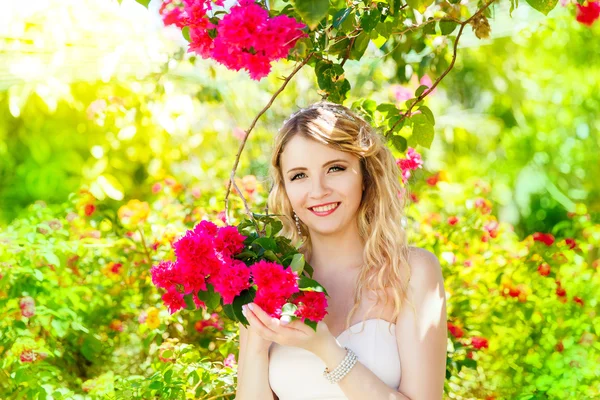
point(333, 175)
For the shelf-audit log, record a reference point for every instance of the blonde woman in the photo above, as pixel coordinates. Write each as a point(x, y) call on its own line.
point(385, 333)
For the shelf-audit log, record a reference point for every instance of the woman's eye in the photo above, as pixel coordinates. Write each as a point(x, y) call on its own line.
point(335, 166)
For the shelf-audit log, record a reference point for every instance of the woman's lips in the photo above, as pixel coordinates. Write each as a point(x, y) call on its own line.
point(324, 214)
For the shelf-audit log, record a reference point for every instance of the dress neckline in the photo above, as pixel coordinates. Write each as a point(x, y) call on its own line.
point(365, 321)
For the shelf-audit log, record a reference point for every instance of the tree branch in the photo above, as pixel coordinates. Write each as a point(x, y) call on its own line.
point(437, 81)
point(243, 143)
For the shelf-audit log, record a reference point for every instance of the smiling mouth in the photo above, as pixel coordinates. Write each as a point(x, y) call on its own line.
point(327, 211)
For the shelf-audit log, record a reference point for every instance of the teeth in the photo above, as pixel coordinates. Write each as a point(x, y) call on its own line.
point(326, 208)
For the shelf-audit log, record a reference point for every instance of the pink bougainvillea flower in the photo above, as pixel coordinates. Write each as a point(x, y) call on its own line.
point(273, 279)
point(196, 254)
point(230, 361)
point(589, 13)
point(247, 38)
point(164, 275)
point(206, 227)
point(412, 162)
point(229, 241)
point(173, 300)
point(270, 303)
point(231, 280)
point(479, 342)
point(311, 305)
point(546, 238)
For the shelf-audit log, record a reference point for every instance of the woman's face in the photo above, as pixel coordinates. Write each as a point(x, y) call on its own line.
point(316, 174)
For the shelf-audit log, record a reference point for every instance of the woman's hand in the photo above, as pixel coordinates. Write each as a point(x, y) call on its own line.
point(295, 333)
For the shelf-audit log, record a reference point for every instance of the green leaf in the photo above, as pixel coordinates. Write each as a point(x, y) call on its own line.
point(90, 347)
point(143, 2)
point(420, 90)
point(289, 309)
point(543, 6)
point(340, 16)
point(429, 28)
point(297, 264)
point(52, 258)
point(266, 243)
point(360, 45)
point(38, 275)
point(399, 142)
point(310, 323)
point(428, 113)
point(234, 311)
point(310, 285)
point(211, 298)
point(189, 301)
point(186, 33)
point(270, 255)
point(312, 11)
point(422, 130)
point(419, 5)
point(447, 27)
point(370, 19)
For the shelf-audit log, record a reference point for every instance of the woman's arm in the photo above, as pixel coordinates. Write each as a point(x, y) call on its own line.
point(253, 368)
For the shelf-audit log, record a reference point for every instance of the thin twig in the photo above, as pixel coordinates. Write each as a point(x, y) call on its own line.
point(145, 247)
point(437, 81)
point(243, 143)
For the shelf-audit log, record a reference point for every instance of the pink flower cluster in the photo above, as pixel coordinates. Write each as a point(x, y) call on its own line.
point(312, 306)
point(204, 254)
point(275, 285)
point(245, 38)
point(412, 162)
point(589, 13)
point(27, 305)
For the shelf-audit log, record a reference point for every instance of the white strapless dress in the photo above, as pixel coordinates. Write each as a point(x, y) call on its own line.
point(297, 374)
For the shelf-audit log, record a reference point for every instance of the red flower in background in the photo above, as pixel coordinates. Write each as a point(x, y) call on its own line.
point(544, 269)
point(545, 238)
point(479, 342)
point(587, 15)
point(455, 330)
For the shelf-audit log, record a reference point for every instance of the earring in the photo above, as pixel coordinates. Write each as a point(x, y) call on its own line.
point(297, 224)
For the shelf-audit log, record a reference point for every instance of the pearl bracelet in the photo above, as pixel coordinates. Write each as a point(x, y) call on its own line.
point(341, 370)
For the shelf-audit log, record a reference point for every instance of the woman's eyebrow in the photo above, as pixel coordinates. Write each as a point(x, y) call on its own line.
point(327, 163)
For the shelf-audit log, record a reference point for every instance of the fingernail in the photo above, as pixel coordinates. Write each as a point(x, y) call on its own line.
point(285, 320)
point(244, 311)
point(251, 306)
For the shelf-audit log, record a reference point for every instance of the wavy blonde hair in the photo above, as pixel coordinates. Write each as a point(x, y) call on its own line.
point(380, 213)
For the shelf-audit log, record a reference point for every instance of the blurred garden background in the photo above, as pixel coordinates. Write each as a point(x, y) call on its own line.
point(114, 139)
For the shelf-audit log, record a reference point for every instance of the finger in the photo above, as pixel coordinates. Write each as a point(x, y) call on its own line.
point(271, 322)
point(258, 325)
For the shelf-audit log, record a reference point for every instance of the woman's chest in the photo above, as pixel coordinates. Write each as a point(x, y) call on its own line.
point(341, 302)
